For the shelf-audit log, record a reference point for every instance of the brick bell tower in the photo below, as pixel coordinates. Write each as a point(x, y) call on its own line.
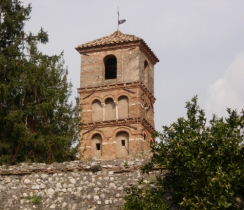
point(117, 96)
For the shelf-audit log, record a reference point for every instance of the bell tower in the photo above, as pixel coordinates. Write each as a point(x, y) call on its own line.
point(117, 96)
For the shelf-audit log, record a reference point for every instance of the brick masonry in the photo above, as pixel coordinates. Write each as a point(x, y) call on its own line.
point(118, 109)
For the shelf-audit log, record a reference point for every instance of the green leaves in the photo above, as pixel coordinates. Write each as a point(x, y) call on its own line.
point(204, 162)
point(148, 197)
point(34, 94)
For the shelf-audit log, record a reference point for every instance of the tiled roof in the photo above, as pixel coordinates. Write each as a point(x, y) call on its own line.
point(117, 38)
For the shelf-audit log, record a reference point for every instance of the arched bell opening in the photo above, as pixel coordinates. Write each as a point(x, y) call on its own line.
point(122, 144)
point(110, 63)
point(110, 109)
point(123, 107)
point(97, 111)
point(96, 147)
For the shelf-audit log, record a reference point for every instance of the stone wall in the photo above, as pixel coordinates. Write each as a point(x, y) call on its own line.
point(69, 185)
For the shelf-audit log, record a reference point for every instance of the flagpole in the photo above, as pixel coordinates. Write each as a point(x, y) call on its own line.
point(118, 20)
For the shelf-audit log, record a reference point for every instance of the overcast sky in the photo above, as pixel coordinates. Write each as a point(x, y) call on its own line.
point(200, 45)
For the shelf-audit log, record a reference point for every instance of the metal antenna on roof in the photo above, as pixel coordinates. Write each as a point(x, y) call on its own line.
point(120, 21)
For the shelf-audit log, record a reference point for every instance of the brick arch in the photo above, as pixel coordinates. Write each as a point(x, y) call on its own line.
point(147, 109)
point(95, 98)
point(108, 96)
point(123, 107)
point(144, 136)
point(110, 109)
point(123, 94)
point(89, 136)
point(122, 128)
point(122, 144)
point(110, 63)
point(97, 111)
point(96, 145)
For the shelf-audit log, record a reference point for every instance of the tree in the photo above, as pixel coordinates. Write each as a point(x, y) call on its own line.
point(37, 123)
point(203, 162)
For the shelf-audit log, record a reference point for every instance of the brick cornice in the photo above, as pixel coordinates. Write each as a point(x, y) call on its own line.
point(117, 40)
point(125, 86)
point(142, 46)
point(122, 122)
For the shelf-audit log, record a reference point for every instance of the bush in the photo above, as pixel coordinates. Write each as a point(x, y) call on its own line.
point(96, 168)
point(145, 197)
point(204, 163)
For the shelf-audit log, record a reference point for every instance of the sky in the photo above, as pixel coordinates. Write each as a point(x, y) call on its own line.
point(200, 45)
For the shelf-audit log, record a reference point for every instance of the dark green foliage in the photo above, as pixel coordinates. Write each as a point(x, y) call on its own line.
point(204, 162)
point(96, 168)
point(36, 121)
point(36, 200)
point(145, 197)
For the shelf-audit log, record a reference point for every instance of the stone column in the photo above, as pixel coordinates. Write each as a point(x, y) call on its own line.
point(103, 106)
point(116, 109)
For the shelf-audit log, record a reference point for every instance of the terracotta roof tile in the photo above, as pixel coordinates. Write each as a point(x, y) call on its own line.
point(116, 38)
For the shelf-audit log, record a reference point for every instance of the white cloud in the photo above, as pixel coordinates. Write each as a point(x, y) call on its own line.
point(227, 92)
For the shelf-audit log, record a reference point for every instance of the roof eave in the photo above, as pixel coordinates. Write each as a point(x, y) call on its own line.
point(140, 43)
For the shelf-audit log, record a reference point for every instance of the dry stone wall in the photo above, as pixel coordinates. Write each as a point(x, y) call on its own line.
point(69, 185)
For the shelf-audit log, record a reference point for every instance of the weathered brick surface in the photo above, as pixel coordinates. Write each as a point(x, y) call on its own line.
point(130, 68)
point(134, 82)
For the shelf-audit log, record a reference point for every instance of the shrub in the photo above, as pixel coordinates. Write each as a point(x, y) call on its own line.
point(96, 168)
point(204, 163)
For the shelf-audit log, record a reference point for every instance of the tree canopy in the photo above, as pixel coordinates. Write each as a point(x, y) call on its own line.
point(37, 123)
point(203, 164)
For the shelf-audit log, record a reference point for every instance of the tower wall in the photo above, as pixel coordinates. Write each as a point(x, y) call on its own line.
point(117, 97)
point(130, 67)
point(139, 123)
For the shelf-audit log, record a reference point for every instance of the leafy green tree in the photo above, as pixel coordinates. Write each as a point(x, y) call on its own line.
point(37, 123)
point(146, 196)
point(203, 162)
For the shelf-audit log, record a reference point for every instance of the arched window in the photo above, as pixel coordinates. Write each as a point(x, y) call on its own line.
point(110, 111)
point(147, 109)
point(97, 111)
point(96, 147)
point(123, 107)
point(122, 144)
point(146, 73)
point(148, 112)
point(110, 63)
